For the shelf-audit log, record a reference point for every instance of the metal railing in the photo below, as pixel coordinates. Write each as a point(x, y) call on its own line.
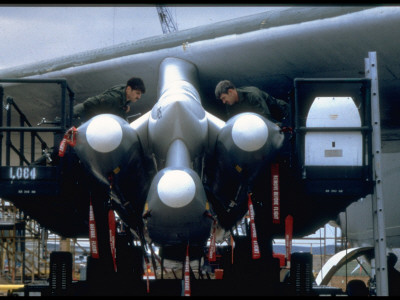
point(63, 123)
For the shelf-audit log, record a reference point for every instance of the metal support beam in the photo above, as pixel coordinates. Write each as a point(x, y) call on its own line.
point(371, 72)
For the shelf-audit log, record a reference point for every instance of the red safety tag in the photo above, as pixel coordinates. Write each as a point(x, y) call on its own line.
point(254, 243)
point(288, 237)
point(94, 249)
point(211, 250)
point(186, 285)
point(275, 193)
point(233, 246)
point(112, 229)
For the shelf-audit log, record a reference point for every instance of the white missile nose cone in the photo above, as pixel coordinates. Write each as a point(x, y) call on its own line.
point(176, 188)
point(249, 133)
point(104, 134)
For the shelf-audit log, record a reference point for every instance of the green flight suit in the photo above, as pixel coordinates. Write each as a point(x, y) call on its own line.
point(112, 101)
point(252, 99)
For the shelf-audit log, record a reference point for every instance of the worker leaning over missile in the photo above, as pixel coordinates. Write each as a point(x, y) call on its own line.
point(250, 99)
point(116, 100)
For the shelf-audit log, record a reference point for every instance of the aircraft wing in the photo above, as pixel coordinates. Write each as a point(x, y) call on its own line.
point(267, 50)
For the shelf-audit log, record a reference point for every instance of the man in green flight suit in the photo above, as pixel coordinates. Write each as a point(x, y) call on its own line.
point(250, 99)
point(115, 100)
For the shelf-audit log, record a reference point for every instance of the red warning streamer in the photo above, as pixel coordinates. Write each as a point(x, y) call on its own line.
point(186, 291)
point(211, 250)
point(288, 237)
point(275, 193)
point(111, 230)
point(254, 243)
point(94, 249)
point(68, 139)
